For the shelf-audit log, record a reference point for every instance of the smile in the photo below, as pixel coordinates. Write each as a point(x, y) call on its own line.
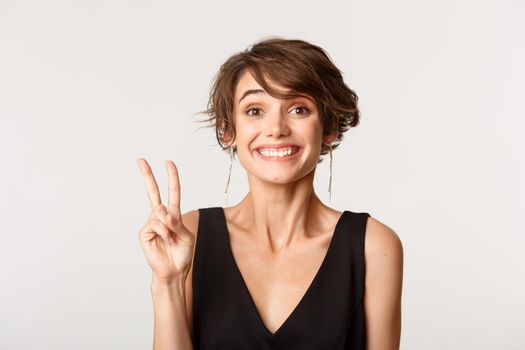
point(278, 154)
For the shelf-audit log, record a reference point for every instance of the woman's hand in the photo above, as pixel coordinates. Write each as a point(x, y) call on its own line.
point(167, 243)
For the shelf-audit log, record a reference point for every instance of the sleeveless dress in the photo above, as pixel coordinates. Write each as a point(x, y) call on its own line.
point(329, 316)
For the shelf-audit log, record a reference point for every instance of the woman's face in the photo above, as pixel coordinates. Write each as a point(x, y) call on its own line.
point(265, 124)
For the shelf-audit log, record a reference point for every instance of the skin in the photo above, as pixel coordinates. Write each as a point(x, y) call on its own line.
point(280, 231)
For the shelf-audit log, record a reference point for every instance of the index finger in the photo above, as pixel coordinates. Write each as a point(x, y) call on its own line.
point(151, 184)
point(173, 186)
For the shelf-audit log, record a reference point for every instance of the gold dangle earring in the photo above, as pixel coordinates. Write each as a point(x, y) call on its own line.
point(229, 176)
point(330, 181)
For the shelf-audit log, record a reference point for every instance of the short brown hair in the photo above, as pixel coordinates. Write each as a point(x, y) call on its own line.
point(297, 65)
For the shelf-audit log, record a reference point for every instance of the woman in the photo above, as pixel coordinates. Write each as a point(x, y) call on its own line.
point(279, 270)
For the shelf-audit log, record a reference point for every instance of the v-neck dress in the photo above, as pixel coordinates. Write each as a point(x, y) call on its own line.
point(330, 314)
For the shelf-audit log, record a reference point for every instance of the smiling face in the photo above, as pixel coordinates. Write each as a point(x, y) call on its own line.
point(277, 140)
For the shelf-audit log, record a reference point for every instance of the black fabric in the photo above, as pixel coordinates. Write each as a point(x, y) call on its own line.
point(329, 316)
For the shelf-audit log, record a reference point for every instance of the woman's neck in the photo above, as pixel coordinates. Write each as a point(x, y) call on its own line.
point(279, 215)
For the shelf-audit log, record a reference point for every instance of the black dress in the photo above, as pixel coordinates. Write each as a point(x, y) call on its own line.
point(329, 316)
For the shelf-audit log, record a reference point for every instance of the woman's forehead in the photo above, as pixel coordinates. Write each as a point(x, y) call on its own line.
point(248, 82)
point(247, 85)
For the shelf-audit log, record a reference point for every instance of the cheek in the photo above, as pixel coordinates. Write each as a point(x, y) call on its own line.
point(311, 131)
point(246, 131)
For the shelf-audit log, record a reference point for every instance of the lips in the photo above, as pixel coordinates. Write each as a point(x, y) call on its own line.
point(276, 147)
point(280, 152)
point(271, 152)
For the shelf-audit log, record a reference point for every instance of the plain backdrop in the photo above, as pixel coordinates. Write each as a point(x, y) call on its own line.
point(87, 87)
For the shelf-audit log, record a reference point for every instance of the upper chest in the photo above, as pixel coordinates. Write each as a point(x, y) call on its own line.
point(244, 296)
point(277, 283)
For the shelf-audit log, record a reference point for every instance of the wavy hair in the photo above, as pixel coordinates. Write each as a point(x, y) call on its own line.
point(297, 65)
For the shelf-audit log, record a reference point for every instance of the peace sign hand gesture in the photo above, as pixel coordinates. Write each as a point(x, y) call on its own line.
point(167, 243)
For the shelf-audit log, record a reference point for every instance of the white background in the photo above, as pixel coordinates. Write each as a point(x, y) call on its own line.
point(87, 87)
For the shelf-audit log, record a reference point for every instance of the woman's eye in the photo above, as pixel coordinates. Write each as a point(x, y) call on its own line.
point(247, 112)
point(306, 110)
point(255, 112)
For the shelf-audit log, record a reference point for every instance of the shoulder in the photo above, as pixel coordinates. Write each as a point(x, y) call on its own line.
point(381, 240)
point(383, 262)
point(383, 285)
point(190, 219)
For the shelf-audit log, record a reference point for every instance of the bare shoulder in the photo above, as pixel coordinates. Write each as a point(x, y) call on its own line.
point(190, 219)
point(381, 239)
point(383, 285)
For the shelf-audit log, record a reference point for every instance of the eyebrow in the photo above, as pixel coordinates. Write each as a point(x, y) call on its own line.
point(259, 91)
point(251, 92)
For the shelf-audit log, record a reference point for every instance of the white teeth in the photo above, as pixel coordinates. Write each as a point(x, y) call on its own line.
point(277, 153)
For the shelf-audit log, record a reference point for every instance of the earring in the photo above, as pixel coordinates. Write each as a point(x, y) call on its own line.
point(330, 181)
point(229, 176)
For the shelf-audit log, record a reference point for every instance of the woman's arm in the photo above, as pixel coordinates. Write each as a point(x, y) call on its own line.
point(384, 279)
point(172, 302)
point(171, 329)
point(168, 246)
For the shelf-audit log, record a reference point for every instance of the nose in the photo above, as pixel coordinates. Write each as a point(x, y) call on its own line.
point(278, 125)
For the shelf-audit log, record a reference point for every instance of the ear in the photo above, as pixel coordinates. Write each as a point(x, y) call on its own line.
point(328, 139)
point(227, 138)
